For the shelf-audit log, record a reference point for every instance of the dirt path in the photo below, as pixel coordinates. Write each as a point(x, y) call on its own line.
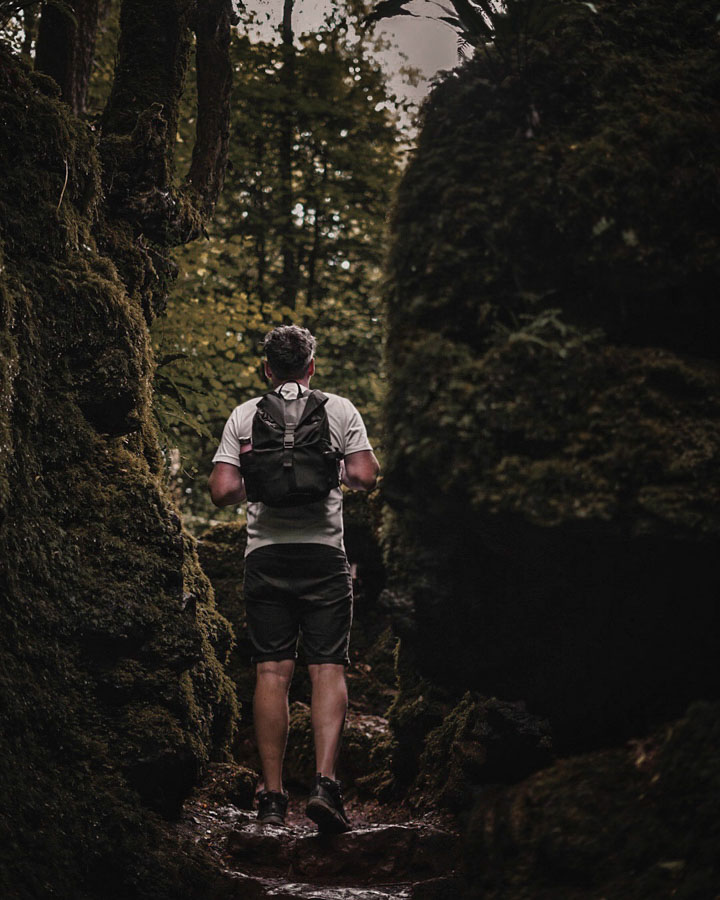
point(388, 855)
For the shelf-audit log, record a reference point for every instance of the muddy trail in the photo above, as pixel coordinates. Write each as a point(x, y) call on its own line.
point(387, 854)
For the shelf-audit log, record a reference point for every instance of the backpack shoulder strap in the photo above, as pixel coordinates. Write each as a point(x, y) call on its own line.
point(315, 399)
point(274, 405)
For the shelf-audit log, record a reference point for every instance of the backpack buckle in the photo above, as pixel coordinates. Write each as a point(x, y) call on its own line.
point(288, 444)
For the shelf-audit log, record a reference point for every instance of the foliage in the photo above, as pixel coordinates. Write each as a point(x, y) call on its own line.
point(346, 152)
point(513, 29)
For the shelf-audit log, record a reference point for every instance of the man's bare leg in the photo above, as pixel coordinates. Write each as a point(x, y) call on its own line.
point(272, 717)
point(328, 708)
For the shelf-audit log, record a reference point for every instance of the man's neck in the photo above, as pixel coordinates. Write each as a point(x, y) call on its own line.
point(304, 382)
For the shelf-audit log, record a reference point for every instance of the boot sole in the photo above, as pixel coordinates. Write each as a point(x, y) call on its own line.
point(327, 819)
point(271, 820)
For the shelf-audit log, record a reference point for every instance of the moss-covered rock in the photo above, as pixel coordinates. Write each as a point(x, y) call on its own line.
point(417, 707)
point(113, 691)
point(361, 735)
point(639, 821)
point(228, 783)
point(482, 741)
point(221, 551)
point(554, 392)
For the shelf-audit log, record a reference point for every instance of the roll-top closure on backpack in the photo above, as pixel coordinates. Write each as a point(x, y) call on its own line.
point(292, 460)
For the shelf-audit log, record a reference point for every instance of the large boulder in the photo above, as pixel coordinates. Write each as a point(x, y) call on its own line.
point(112, 685)
point(638, 821)
point(554, 391)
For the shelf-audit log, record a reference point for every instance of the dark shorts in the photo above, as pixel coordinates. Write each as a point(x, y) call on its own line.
point(293, 589)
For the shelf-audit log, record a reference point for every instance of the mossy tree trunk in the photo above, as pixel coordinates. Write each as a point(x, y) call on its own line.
point(287, 138)
point(139, 123)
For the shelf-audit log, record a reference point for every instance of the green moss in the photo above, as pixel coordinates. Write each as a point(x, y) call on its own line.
point(417, 707)
point(222, 555)
point(552, 286)
point(482, 741)
point(114, 696)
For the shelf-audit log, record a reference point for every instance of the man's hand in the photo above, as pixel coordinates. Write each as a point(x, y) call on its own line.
point(360, 470)
point(226, 484)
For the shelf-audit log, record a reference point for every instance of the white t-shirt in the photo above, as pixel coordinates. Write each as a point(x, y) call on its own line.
point(314, 523)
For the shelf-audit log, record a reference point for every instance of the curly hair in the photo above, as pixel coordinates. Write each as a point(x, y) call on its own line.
point(289, 349)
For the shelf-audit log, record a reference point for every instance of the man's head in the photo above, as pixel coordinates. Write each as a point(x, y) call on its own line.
point(289, 350)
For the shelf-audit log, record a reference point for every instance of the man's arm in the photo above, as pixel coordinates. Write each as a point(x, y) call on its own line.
point(226, 484)
point(360, 470)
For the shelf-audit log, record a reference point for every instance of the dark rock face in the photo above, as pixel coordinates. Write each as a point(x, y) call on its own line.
point(112, 688)
point(640, 821)
point(554, 484)
point(221, 551)
point(482, 741)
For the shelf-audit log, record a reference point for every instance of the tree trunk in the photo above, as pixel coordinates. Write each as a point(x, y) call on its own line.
point(153, 54)
point(287, 136)
point(214, 78)
point(317, 236)
point(66, 47)
point(140, 120)
point(261, 234)
point(30, 23)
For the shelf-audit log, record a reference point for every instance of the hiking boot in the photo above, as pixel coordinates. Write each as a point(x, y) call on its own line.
point(325, 806)
point(272, 806)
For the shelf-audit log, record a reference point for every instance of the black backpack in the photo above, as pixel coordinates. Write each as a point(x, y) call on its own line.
point(292, 461)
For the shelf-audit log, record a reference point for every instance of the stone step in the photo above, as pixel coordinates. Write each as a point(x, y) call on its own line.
point(372, 855)
point(240, 886)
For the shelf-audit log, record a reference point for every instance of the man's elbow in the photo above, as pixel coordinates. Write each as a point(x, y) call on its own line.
point(367, 480)
point(370, 482)
point(218, 496)
point(214, 496)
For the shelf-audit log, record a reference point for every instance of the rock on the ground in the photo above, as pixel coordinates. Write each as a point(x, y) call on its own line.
point(482, 741)
point(380, 854)
point(229, 783)
point(360, 736)
point(377, 854)
point(638, 821)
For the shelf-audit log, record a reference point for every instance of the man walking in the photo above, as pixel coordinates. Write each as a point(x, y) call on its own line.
point(297, 578)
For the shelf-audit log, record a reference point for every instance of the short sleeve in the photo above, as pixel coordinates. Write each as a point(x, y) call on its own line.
point(229, 449)
point(356, 438)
